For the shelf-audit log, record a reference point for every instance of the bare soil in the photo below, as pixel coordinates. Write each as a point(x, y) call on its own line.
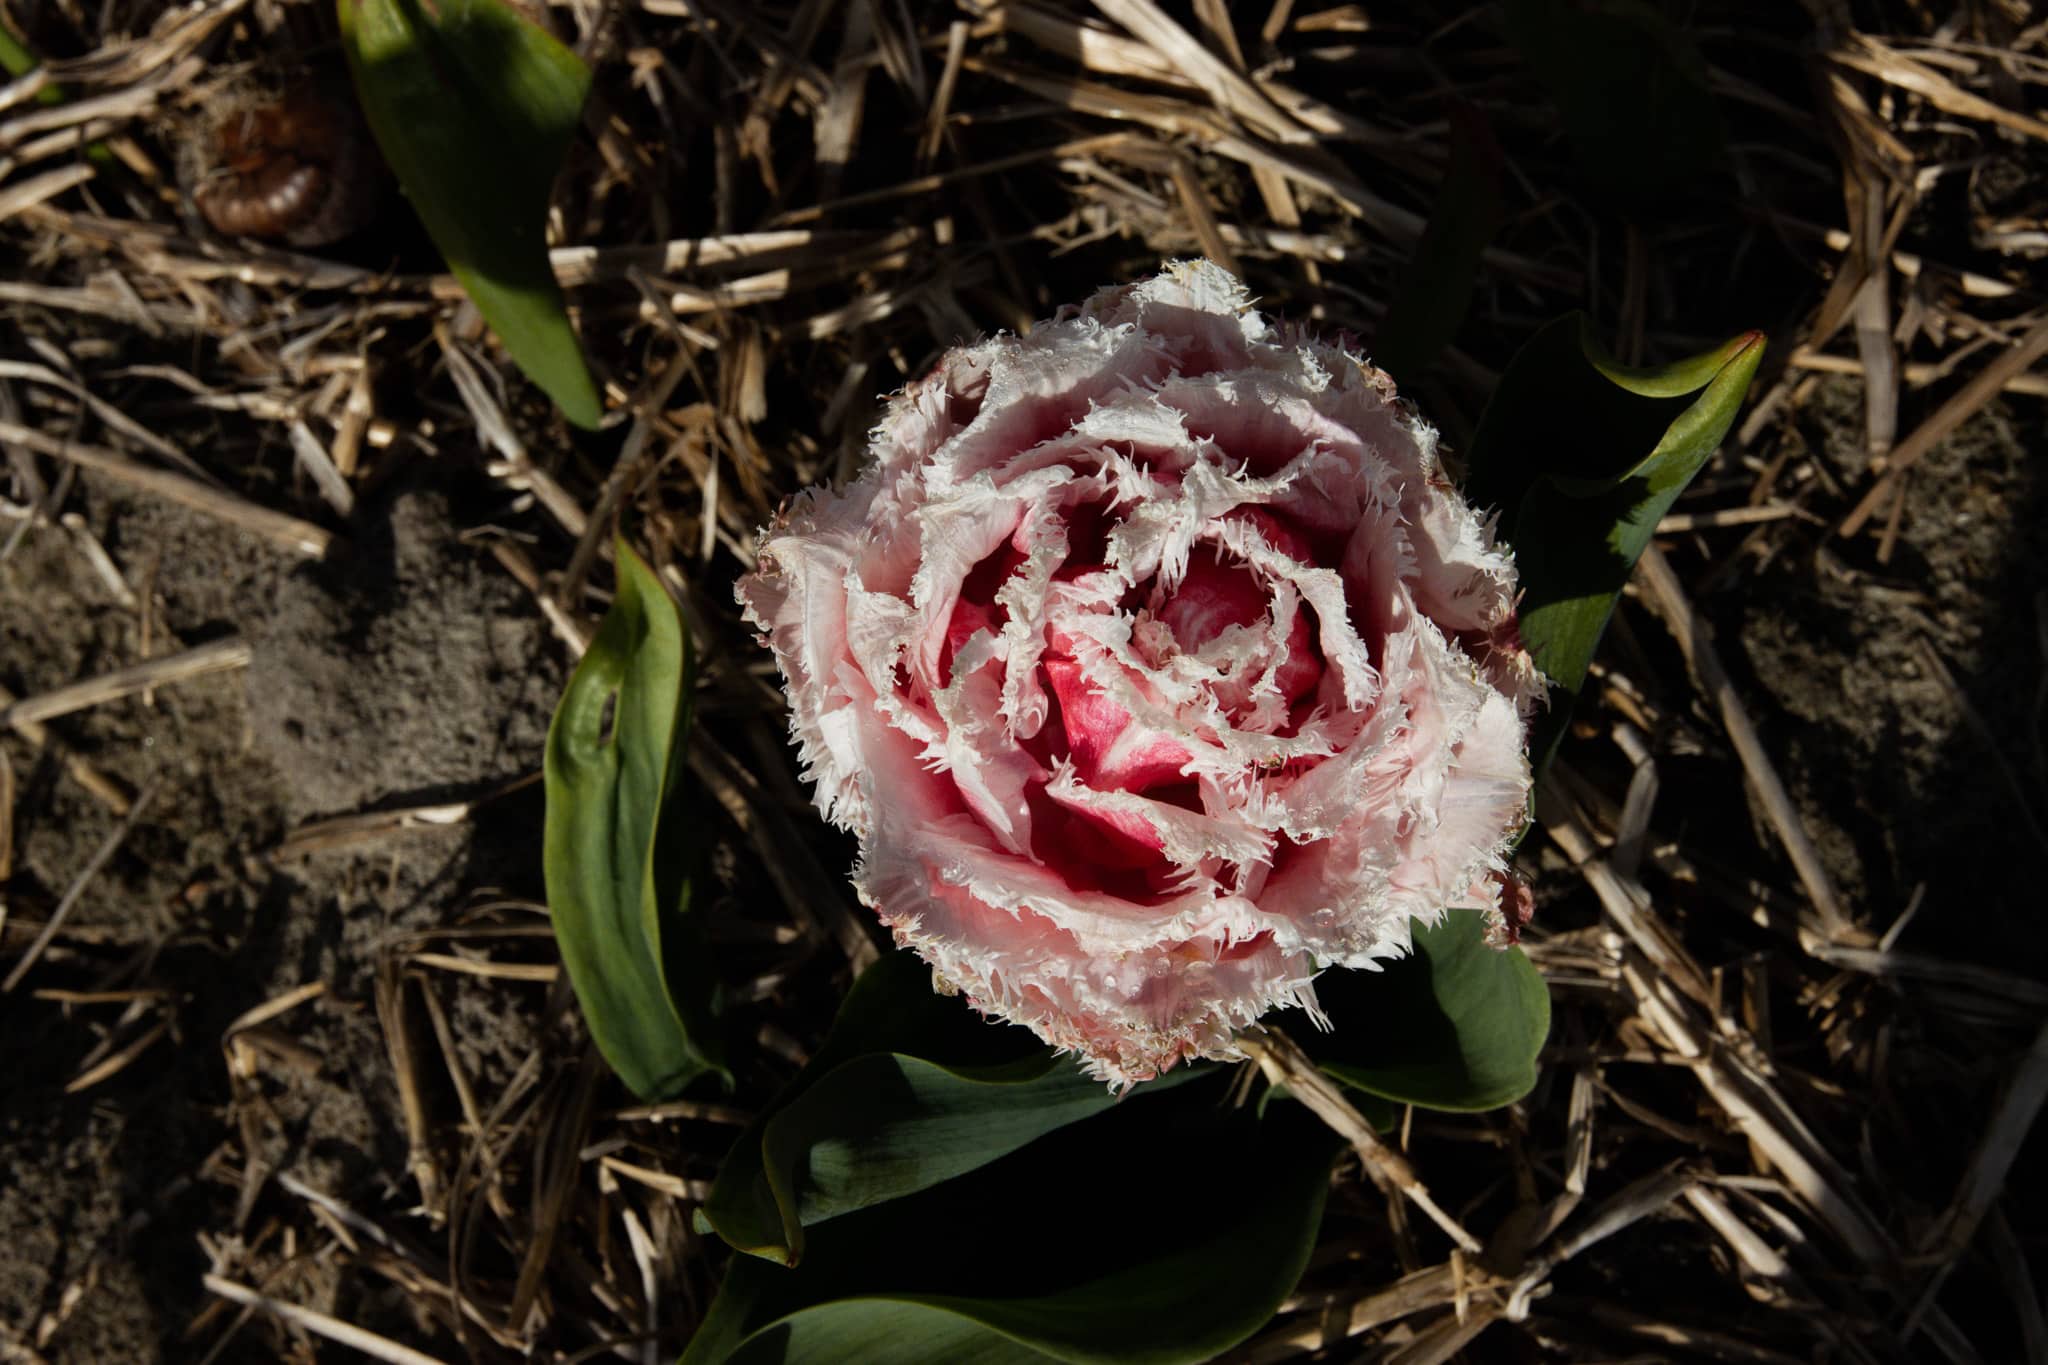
point(408, 675)
point(1903, 793)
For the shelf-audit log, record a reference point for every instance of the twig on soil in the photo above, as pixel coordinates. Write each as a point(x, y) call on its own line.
point(345, 1222)
point(1695, 640)
point(1646, 1196)
point(1579, 1135)
point(319, 1324)
point(1675, 523)
point(444, 1039)
point(117, 420)
point(105, 789)
point(568, 628)
point(1180, 51)
point(218, 656)
point(1283, 1062)
point(2013, 1120)
point(1194, 200)
point(301, 537)
point(1729, 1078)
point(95, 301)
point(481, 1167)
point(1444, 1338)
point(662, 1182)
point(104, 568)
point(485, 967)
point(647, 410)
point(396, 1027)
point(80, 121)
point(1435, 1287)
point(338, 831)
point(1918, 374)
point(1756, 1255)
point(558, 1159)
point(1896, 68)
point(106, 850)
point(118, 1060)
point(320, 467)
point(37, 188)
point(581, 265)
point(518, 469)
point(702, 1111)
point(258, 1015)
point(1958, 409)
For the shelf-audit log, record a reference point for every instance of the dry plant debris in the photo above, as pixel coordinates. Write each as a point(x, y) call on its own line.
point(315, 1075)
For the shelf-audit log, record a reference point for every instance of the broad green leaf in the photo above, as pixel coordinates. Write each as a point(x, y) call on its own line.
point(891, 1006)
point(616, 852)
point(1435, 291)
point(1632, 92)
point(910, 1089)
point(1582, 456)
point(474, 105)
point(1456, 1025)
point(1167, 1229)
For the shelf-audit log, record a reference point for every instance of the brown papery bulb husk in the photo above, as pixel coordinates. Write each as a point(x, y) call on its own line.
point(296, 166)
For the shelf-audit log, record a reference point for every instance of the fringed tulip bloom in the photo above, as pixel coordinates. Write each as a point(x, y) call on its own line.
point(1157, 667)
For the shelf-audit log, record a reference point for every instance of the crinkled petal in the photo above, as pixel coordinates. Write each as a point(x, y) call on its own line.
point(1158, 667)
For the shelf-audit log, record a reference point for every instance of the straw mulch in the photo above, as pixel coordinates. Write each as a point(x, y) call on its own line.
point(1797, 1051)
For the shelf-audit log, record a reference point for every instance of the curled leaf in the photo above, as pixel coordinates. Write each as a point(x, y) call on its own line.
point(1582, 456)
point(1167, 1229)
point(615, 852)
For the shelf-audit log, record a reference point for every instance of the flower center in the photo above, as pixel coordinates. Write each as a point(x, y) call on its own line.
point(1216, 599)
point(1212, 598)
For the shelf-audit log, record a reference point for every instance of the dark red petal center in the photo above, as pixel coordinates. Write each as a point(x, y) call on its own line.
point(1109, 751)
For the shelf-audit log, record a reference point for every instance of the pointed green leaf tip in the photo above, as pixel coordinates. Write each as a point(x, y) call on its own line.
point(616, 847)
point(1582, 456)
point(473, 106)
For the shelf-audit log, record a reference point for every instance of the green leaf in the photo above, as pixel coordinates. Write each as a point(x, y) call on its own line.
point(474, 105)
point(1456, 1025)
point(1435, 291)
point(1582, 456)
point(616, 852)
point(1167, 1229)
point(17, 60)
point(1632, 92)
point(910, 1089)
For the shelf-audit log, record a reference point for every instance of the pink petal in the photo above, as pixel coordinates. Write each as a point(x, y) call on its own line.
point(1157, 666)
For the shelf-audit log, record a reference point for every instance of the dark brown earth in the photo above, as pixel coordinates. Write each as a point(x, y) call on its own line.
point(414, 673)
point(1901, 792)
